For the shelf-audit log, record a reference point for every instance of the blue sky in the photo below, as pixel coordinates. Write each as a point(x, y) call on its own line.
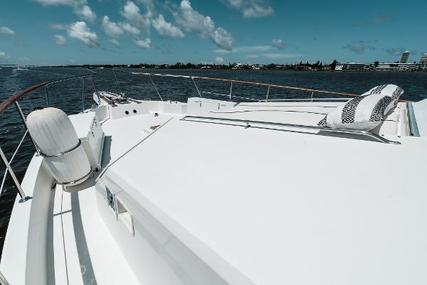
point(253, 31)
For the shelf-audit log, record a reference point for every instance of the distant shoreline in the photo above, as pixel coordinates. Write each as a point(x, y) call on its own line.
point(307, 67)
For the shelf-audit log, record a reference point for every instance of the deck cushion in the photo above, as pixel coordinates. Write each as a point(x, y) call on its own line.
point(365, 112)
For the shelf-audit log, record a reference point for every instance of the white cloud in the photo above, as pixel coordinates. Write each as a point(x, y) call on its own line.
point(56, 2)
point(80, 31)
point(259, 48)
point(166, 29)
point(246, 49)
point(60, 40)
point(115, 42)
point(219, 60)
point(222, 38)
point(80, 7)
point(85, 12)
point(58, 27)
point(24, 58)
point(277, 43)
point(252, 8)
point(6, 31)
point(132, 13)
point(110, 28)
point(274, 56)
point(3, 55)
point(360, 47)
point(116, 30)
point(144, 43)
point(193, 21)
point(263, 52)
point(148, 5)
point(129, 29)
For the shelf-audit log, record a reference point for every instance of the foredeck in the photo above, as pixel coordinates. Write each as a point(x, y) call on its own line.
point(222, 188)
point(246, 190)
point(234, 193)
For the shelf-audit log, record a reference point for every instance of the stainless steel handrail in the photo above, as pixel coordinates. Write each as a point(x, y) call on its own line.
point(10, 161)
point(248, 82)
point(268, 86)
point(253, 124)
point(12, 174)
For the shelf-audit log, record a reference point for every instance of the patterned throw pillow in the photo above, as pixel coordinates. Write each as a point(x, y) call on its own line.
point(365, 112)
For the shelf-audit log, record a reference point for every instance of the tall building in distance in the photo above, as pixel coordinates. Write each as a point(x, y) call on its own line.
point(423, 60)
point(405, 57)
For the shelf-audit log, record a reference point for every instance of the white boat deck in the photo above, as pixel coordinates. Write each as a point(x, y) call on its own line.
point(221, 189)
point(211, 202)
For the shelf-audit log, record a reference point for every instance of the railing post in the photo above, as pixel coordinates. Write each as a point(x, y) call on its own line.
point(195, 85)
point(155, 88)
point(268, 93)
point(117, 82)
point(231, 89)
point(93, 84)
point(83, 94)
point(24, 121)
point(12, 174)
point(46, 94)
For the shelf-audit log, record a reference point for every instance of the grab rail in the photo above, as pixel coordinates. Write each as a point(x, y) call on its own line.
point(264, 125)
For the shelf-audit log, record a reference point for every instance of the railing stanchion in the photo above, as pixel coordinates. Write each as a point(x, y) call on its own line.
point(12, 174)
point(231, 89)
point(117, 83)
point(195, 85)
point(155, 88)
point(268, 93)
point(93, 84)
point(24, 121)
point(46, 95)
point(83, 94)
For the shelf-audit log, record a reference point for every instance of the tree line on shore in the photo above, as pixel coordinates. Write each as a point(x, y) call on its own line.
point(180, 65)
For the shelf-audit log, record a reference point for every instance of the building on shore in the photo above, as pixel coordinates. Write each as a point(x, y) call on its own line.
point(405, 57)
point(423, 61)
point(396, 66)
point(350, 66)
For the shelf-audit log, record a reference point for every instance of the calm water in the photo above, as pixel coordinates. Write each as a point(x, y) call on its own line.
point(68, 96)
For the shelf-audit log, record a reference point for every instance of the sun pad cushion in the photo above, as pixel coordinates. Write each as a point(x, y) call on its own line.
point(365, 112)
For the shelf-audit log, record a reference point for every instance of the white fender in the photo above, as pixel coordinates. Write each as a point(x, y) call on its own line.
point(56, 138)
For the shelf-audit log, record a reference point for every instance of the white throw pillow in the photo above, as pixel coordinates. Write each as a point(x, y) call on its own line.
point(365, 112)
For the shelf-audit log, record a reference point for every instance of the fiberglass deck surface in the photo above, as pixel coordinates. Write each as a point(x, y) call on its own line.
point(84, 250)
point(293, 195)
